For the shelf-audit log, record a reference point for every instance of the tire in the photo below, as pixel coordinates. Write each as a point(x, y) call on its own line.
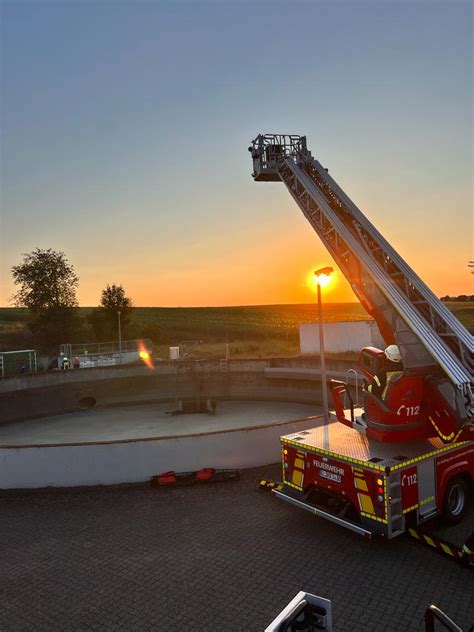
point(456, 500)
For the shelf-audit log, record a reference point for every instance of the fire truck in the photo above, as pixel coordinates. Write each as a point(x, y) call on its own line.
point(404, 456)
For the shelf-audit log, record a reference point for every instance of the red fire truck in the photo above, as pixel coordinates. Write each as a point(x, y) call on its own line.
point(371, 486)
point(407, 454)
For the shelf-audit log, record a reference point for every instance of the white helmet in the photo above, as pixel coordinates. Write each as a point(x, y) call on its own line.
point(392, 353)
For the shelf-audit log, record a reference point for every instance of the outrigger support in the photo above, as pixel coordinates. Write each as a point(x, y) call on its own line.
point(463, 555)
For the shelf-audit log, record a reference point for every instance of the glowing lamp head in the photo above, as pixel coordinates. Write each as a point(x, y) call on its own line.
point(322, 276)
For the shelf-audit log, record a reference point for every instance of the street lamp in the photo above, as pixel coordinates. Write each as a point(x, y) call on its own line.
point(322, 278)
point(120, 336)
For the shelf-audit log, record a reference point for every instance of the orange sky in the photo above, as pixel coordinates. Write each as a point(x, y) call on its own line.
point(129, 153)
point(260, 273)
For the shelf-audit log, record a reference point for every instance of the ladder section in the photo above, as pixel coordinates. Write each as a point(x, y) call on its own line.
point(437, 315)
point(386, 286)
point(351, 255)
point(396, 519)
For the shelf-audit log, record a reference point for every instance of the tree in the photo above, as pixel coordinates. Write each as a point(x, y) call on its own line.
point(114, 299)
point(46, 281)
point(48, 286)
point(104, 319)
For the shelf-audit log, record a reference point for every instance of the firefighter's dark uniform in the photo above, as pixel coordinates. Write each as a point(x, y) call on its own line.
point(384, 377)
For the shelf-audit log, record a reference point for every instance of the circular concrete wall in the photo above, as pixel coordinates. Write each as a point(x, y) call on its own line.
point(133, 461)
point(136, 460)
point(57, 392)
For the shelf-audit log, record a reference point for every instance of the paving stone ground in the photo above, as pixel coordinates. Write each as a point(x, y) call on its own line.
point(222, 557)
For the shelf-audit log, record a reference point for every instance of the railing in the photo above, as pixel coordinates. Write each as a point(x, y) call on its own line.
point(268, 150)
point(105, 348)
point(432, 614)
point(350, 372)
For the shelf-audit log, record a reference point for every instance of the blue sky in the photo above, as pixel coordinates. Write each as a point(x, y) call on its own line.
point(125, 128)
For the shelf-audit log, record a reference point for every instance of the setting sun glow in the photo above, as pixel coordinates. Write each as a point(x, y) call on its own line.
point(322, 276)
point(322, 279)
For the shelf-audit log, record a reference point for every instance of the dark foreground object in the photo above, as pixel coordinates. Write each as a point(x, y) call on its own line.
point(221, 557)
point(309, 613)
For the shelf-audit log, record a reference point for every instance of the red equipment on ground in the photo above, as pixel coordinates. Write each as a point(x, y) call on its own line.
point(205, 475)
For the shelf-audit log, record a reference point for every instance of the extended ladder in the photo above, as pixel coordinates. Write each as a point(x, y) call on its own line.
point(384, 283)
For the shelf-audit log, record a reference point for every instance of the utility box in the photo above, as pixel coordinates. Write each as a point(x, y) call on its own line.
point(342, 337)
point(18, 362)
point(174, 353)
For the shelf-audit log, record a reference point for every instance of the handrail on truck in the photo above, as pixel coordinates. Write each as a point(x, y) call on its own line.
point(432, 614)
point(356, 377)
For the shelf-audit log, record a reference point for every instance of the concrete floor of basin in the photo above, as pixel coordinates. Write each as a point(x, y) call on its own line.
point(149, 420)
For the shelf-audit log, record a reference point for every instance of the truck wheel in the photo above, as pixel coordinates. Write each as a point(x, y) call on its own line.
point(456, 500)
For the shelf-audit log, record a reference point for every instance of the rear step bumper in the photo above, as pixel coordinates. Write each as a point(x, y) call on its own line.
point(324, 514)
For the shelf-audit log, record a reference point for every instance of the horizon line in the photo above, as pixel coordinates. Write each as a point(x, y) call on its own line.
point(209, 306)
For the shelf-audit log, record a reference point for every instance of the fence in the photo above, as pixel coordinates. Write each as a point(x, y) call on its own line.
point(105, 348)
point(18, 362)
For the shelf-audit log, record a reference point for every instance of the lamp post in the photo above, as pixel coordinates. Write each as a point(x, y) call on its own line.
point(322, 277)
point(120, 336)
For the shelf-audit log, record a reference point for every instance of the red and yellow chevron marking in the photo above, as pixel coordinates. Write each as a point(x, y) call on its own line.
point(269, 485)
point(364, 498)
point(297, 474)
point(452, 437)
point(435, 543)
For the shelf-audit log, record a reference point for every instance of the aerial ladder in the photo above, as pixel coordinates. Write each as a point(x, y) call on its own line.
point(435, 395)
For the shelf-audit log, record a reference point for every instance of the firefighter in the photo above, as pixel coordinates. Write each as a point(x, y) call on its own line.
point(392, 369)
point(65, 364)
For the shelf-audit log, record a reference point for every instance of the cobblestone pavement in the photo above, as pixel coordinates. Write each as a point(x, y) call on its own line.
point(222, 557)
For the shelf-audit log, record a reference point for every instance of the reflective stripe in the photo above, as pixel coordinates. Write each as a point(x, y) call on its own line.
point(366, 515)
point(451, 437)
point(427, 500)
point(391, 375)
point(366, 464)
point(361, 484)
point(297, 478)
point(446, 549)
point(366, 504)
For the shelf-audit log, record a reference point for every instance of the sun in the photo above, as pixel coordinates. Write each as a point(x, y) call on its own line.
point(324, 280)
